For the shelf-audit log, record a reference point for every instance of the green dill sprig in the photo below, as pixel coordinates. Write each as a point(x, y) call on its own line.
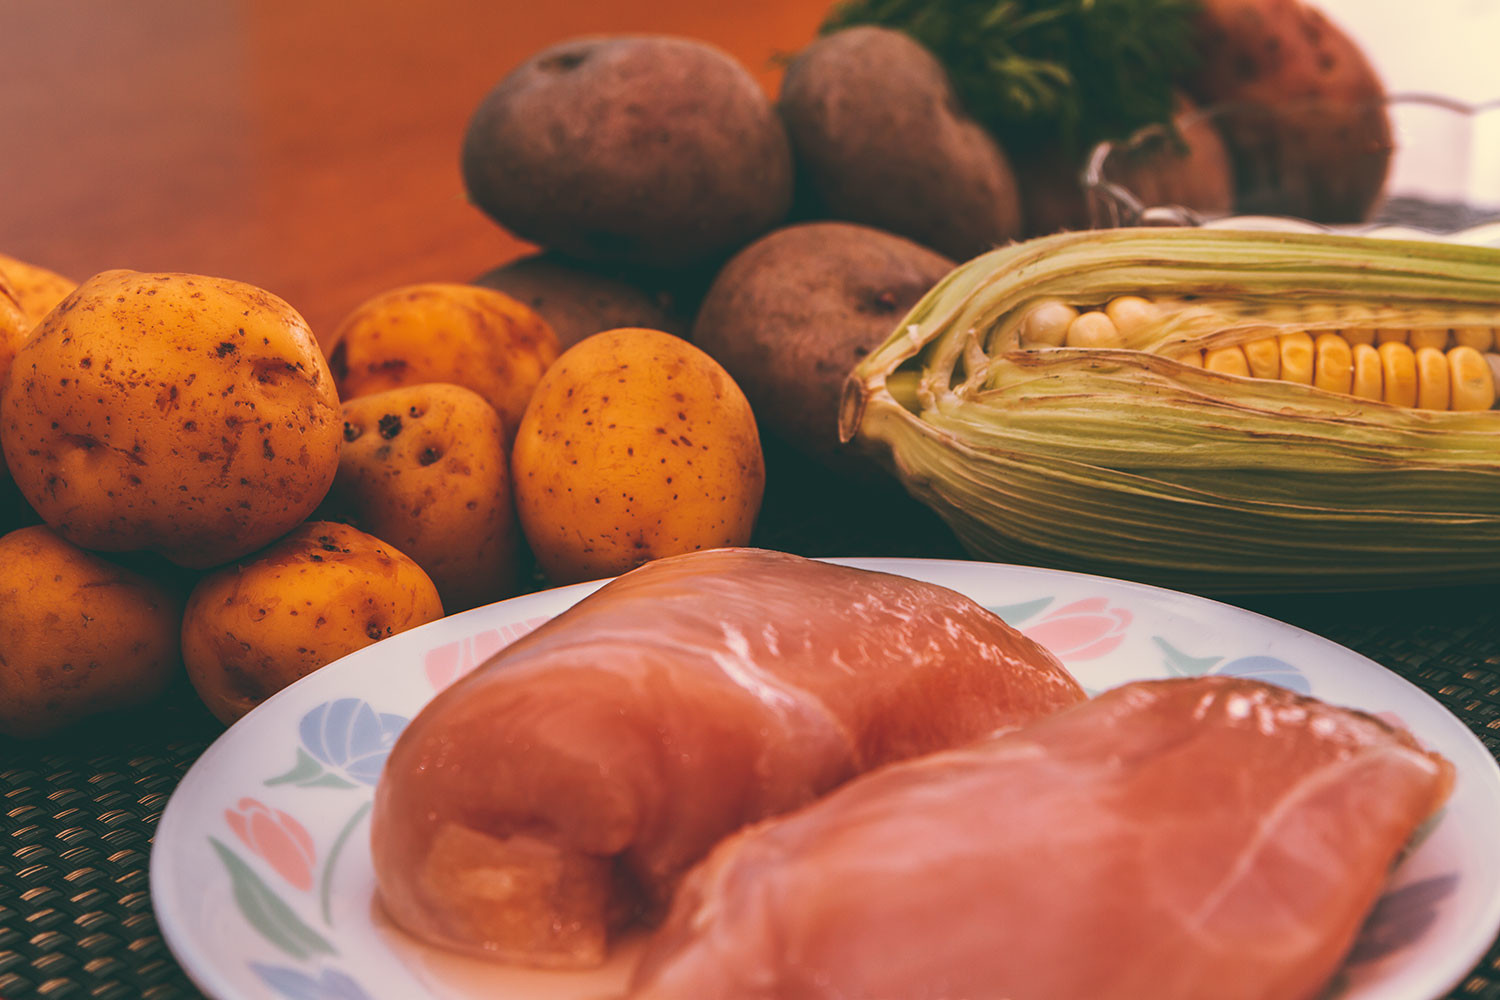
point(1048, 72)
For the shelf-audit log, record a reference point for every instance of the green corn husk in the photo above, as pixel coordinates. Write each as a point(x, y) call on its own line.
point(1131, 464)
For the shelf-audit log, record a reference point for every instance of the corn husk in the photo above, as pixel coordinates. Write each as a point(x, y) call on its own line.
point(1130, 463)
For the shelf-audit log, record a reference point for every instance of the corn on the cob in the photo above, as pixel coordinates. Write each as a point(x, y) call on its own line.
point(1246, 411)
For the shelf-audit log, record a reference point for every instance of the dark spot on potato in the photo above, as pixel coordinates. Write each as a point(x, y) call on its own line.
point(372, 629)
point(266, 449)
point(390, 426)
point(351, 432)
point(86, 363)
point(429, 455)
point(226, 348)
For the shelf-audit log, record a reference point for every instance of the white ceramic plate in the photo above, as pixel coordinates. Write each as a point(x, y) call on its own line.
point(261, 875)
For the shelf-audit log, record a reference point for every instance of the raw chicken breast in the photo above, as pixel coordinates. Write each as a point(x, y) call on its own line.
point(1211, 837)
point(562, 789)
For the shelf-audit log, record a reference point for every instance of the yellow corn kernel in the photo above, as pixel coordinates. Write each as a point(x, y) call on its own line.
point(1296, 357)
point(1470, 384)
point(1361, 336)
point(1264, 356)
point(1131, 314)
point(1367, 382)
point(1226, 360)
point(1047, 324)
point(1481, 338)
point(1333, 364)
point(1390, 336)
point(1398, 369)
point(1432, 379)
point(1428, 338)
point(1093, 329)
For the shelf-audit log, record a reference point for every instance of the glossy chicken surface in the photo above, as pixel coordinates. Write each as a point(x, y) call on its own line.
point(562, 789)
point(1208, 837)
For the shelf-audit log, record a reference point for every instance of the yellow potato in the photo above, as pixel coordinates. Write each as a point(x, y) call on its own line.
point(188, 415)
point(79, 636)
point(320, 593)
point(13, 330)
point(37, 289)
point(474, 337)
point(425, 468)
point(636, 445)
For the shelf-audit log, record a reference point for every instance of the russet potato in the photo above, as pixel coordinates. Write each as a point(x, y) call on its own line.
point(79, 635)
point(425, 468)
point(187, 415)
point(320, 593)
point(636, 445)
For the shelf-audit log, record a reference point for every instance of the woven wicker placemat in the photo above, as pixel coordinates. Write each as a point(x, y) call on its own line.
point(77, 813)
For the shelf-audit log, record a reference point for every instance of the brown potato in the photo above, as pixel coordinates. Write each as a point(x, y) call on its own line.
point(79, 636)
point(320, 593)
point(474, 337)
point(187, 415)
point(792, 314)
point(1304, 113)
point(661, 152)
point(425, 468)
point(578, 300)
point(636, 445)
point(880, 139)
point(37, 289)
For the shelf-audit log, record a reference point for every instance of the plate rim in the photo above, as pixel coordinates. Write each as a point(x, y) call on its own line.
point(206, 976)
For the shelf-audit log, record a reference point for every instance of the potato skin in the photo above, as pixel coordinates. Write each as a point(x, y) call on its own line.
point(578, 301)
point(653, 150)
point(188, 415)
point(792, 314)
point(636, 445)
point(79, 636)
point(14, 328)
point(37, 289)
point(320, 593)
point(879, 139)
point(475, 337)
point(425, 468)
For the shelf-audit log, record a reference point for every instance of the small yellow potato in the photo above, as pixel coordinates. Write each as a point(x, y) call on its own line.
point(636, 445)
point(471, 336)
point(79, 636)
point(37, 289)
point(320, 593)
point(425, 468)
point(14, 328)
point(187, 415)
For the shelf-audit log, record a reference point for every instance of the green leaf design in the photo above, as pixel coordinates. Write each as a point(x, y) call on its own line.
point(308, 773)
point(329, 780)
point(1014, 614)
point(1179, 664)
point(305, 768)
point(266, 912)
point(326, 892)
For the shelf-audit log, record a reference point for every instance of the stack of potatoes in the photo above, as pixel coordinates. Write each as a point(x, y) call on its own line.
point(212, 492)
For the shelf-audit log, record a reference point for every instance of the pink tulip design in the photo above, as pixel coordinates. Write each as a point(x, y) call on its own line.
point(281, 841)
point(450, 661)
point(1083, 630)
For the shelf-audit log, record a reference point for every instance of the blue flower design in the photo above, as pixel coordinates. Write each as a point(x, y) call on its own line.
point(1269, 670)
point(295, 984)
point(345, 735)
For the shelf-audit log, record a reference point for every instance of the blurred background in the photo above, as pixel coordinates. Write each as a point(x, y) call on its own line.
point(306, 146)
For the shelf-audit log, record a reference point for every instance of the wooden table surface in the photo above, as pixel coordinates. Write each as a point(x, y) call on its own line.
point(306, 146)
